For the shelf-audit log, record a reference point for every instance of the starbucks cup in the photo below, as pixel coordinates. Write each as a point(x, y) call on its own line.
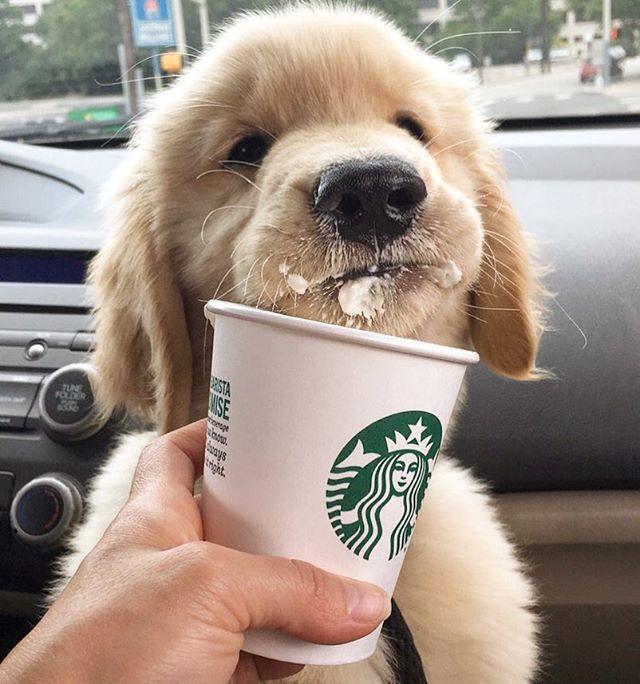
point(321, 443)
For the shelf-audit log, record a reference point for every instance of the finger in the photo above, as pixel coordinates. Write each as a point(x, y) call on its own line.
point(262, 592)
point(174, 460)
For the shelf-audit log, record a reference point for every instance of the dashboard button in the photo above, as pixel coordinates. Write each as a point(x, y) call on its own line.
point(22, 338)
point(35, 351)
point(17, 392)
point(67, 396)
point(66, 404)
point(39, 510)
point(45, 508)
point(6, 487)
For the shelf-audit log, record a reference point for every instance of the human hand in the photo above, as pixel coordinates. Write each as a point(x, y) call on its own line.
point(153, 602)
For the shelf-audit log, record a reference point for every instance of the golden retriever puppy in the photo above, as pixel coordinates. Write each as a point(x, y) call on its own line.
point(316, 162)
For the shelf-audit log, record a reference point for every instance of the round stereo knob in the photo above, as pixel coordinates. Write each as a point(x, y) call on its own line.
point(45, 508)
point(67, 408)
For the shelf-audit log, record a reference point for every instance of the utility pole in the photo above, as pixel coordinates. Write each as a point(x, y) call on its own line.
point(127, 56)
point(545, 62)
point(478, 15)
point(203, 12)
point(606, 39)
point(178, 25)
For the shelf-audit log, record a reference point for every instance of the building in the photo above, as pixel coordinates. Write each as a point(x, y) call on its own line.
point(576, 37)
point(31, 11)
point(434, 12)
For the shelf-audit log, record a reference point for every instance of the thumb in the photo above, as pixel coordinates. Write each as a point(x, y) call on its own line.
point(264, 592)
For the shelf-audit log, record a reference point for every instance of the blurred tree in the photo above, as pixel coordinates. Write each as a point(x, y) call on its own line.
point(403, 12)
point(80, 42)
point(591, 10)
point(79, 38)
point(14, 52)
point(522, 17)
point(627, 11)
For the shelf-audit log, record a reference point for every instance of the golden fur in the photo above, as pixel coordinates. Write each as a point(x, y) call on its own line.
point(325, 85)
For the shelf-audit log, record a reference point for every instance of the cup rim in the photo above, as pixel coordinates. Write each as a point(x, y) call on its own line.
point(337, 332)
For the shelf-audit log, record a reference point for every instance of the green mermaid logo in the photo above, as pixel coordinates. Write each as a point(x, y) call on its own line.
point(377, 483)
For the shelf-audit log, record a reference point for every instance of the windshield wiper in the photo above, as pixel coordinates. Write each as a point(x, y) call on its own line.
point(48, 132)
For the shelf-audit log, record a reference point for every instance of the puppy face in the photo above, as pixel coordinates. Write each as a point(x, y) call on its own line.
point(351, 104)
point(314, 162)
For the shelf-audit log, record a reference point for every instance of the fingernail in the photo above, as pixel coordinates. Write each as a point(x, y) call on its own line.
point(367, 603)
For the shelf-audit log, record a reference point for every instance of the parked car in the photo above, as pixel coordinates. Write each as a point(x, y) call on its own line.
point(534, 55)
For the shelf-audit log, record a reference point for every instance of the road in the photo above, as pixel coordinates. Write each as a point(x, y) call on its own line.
point(516, 94)
point(509, 92)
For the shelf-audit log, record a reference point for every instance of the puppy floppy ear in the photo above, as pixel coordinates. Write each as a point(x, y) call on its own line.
point(143, 352)
point(504, 303)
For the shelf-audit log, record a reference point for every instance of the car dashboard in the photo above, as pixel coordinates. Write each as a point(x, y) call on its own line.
point(562, 454)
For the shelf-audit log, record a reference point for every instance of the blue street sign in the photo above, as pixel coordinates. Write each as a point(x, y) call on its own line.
point(152, 23)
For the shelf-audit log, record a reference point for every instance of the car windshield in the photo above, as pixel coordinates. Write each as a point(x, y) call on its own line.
point(80, 69)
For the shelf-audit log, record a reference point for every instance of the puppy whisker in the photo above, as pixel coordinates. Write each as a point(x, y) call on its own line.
point(500, 192)
point(264, 263)
point(504, 241)
point(233, 173)
point(504, 265)
point(494, 308)
point(131, 69)
point(468, 313)
point(243, 163)
point(457, 47)
point(455, 144)
point(571, 319)
point(437, 19)
point(494, 264)
point(240, 283)
point(246, 280)
point(224, 277)
point(472, 33)
point(433, 138)
point(263, 292)
point(213, 211)
point(500, 279)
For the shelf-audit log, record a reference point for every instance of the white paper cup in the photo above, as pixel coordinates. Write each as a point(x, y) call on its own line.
point(320, 444)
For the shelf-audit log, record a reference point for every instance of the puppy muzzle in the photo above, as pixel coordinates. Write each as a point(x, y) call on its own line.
point(371, 201)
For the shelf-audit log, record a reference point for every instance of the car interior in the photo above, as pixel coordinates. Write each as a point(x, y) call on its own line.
point(561, 454)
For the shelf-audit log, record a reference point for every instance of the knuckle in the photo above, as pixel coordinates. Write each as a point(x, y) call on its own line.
point(196, 561)
point(104, 554)
point(134, 515)
point(146, 461)
point(313, 583)
point(207, 579)
point(149, 452)
point(141, 520)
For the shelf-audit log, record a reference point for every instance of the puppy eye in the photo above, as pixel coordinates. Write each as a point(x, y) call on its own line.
point(412, 127)
point(251, 149)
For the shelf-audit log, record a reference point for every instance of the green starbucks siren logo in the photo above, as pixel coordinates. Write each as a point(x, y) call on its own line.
point(378, 481)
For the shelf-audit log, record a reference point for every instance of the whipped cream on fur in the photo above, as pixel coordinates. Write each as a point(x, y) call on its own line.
point(362, 297)
point(446, 275)
point(297, 283)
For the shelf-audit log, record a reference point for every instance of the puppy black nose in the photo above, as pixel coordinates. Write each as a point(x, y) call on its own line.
point(370, 201)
